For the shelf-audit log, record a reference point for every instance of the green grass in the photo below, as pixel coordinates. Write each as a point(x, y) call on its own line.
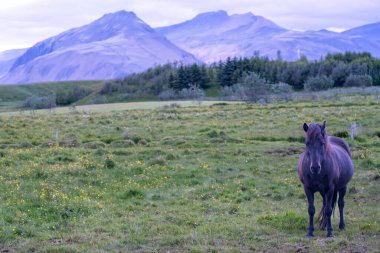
point(218, 178)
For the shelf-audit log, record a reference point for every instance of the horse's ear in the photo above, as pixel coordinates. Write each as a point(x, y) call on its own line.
point(323, 127)
point(305, 127)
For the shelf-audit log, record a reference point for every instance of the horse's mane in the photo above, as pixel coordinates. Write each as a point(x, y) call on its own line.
point(315, 131)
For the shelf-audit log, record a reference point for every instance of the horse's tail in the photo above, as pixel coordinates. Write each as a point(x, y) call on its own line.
point(322, 219)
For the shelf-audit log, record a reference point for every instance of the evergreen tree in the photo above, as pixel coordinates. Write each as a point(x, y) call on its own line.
point(195, 75)
point(227, 72)
point(173, 81)
point(279, 56)
point(339, 73)
point(183, 79)
point(204, 78)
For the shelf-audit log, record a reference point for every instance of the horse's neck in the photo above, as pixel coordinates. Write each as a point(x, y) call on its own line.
point(332, 160)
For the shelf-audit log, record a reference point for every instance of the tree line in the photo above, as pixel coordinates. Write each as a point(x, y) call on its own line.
point(334, 70)
point(241, 78)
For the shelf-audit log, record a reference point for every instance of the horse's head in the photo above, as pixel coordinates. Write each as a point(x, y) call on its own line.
point(316, 142)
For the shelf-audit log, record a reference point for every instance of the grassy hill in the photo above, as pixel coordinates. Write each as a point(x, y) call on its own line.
point(199, 179)
point(14, 95)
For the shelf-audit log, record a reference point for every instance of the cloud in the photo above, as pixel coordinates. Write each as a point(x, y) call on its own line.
point(25, 22)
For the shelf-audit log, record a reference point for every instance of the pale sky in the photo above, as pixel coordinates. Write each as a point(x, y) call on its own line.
point(26, 22)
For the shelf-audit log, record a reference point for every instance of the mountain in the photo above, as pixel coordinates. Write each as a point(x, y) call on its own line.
point(214, 36)
point(120, 43)
point(113, 46)
point(370, 31)
point(7, 59)
point(315, 44)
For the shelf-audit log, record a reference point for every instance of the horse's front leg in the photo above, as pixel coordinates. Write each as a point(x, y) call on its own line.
point(328, 210)
point(311, 210)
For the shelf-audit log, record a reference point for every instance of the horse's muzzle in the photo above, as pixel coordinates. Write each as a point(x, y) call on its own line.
point(315, 169)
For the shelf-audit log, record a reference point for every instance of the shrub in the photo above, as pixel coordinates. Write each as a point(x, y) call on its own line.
point(128, 134)
point(281, 88)
point(125, 96)
point(168, 94)
point(109, 163)
point(122, 143)
point(213, 134)
point(94, 144)
point(66, 97)
point(342, 134)
point(35, 102)
point(252, 88)
point(135, 138)
point(255, 87)
point(358, 80)
point(318, 83)
point(234, 92)
point(133, 193)
point(159, 160)
point(99, 100)
point(109, 87)
point(193, 92)
point(143, 142)
point(69, 140)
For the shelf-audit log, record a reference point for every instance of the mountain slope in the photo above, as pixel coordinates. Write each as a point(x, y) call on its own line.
point(113, 46)
point(7, 59)
point(215, 36)
point(370, 31)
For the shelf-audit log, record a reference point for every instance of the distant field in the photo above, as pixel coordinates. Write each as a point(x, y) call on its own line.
point(219, 178)
point(120, 107)
point(12, 97)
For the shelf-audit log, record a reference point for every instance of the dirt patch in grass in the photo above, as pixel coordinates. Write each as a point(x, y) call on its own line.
point(286, 151)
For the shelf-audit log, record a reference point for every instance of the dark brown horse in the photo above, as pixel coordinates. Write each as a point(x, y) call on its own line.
point(325, 167)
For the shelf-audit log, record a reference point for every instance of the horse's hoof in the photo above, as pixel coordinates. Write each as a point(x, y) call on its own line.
point(342, 226)
point(329, 235)
point(309, 235)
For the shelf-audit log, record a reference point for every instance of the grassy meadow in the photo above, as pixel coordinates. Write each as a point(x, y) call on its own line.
point(218, 178)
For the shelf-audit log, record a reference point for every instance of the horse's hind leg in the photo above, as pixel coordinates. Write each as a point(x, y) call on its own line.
point(322, 216)
point(342, 192)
